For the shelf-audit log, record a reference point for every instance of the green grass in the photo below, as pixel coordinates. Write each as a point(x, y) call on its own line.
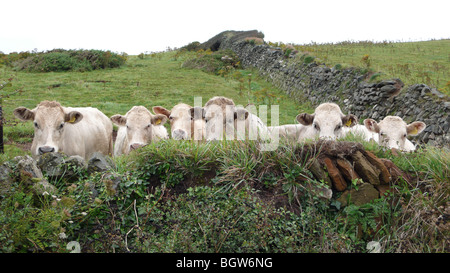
point(413, 62)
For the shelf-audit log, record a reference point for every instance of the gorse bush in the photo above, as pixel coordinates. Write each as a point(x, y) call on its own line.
point(215, 62)
point(59, 60)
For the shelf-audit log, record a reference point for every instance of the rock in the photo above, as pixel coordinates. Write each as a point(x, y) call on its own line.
point(337, 180)
point(385, 176)
point(43, 186)
point(383, 189)
point(99, 163)
point(363, 195)
point(318, 172)
point(57, 165)
point(28, 165)
point(396, 173)
point(346, 170)
point(364, 169)
point(51, 164)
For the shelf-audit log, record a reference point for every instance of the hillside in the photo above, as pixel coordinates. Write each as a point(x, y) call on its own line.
point(413, 62)
point(229, 197)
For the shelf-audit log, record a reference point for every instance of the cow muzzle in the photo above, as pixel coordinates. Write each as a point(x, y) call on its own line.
point(179, 134)
point(135, 146)
point(45, 149)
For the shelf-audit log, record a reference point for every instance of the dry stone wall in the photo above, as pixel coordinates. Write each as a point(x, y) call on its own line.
point(348, 88)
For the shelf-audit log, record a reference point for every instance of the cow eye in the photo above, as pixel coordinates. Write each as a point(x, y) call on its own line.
point(170, 117)
point(338, 127)
point(61, 126)
point(316, 126)
point(36, 125)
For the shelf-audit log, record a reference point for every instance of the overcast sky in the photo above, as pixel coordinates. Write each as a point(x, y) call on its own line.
point(134, 26)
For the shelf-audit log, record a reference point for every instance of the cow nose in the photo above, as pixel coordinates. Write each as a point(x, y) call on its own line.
point(45, 149)
point(135, 146)
point(179, 134)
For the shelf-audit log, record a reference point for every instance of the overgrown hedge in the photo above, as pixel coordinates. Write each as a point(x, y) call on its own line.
point(57, 60)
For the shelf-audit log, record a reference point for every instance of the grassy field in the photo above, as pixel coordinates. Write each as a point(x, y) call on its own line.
point(177, 196)
point(413, 62)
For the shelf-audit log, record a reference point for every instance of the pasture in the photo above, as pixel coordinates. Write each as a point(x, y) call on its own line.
point(180, 196)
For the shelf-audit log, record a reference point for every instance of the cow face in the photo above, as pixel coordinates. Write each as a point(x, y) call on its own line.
point(50, 120)
point(392, 131)
point(179, 118)
point(327, 122)
point(198, 125)
point(140, 125)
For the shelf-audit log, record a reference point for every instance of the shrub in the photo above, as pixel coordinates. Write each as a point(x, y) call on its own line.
point(218, 62)
point(68, 60)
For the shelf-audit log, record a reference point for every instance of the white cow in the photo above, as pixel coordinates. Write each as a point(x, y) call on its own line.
point(392, 132)
point(327, 122)
point(222, 117)
point(289, 132)
point(183, 123)
point(74, 131)
point(362, 131)
point(138, 128)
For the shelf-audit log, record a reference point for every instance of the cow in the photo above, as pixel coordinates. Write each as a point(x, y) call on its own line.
point(223, 117)
point(183, 123)
point(392, 132)
point(288, 132)
point(361, 131)
point(327, 122)
point(138, 128)
point(78, 131)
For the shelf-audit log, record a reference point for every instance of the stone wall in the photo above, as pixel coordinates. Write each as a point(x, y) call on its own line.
point(348, 88)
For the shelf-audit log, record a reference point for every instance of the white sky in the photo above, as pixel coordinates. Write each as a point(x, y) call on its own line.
point(134, 26)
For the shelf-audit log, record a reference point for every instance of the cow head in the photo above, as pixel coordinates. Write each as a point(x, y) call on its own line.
point(140, 126)
point(219, 115)
point(327, 121)
point(392, 131)
point(179, 118)
point(198, 125)
point(49, 119)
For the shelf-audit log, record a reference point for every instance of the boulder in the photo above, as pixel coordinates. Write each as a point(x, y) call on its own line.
point(27, 165)
point(385, 176)
point(337, 179)
point(57, 165)
point(318, 172)
point(365, 169)
point(364, 194)
point(99, 163)
point(346, 170)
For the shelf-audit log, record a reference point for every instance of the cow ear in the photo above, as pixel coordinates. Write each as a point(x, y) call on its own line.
point(372, 125)
point(349, 120)
point(415, 128)
point(161, 110)
point(119, 120)
point(73, 117)
point(199, 110)
point(159, 119)
point(241, 112)
point(305, 119)
point(24, 114)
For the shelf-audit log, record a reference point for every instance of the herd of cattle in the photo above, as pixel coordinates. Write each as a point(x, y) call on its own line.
point(85, 130)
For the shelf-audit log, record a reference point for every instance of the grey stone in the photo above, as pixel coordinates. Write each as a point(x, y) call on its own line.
point(99, 163)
